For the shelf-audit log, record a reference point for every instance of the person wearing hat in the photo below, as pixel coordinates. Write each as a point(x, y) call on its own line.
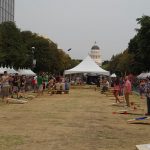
point(147, 94)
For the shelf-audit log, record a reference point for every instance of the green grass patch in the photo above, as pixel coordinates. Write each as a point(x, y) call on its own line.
point(10, 141)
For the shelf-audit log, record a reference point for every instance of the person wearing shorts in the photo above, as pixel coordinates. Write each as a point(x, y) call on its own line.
point(127, 90)
point(5, 87)
point(40, 84)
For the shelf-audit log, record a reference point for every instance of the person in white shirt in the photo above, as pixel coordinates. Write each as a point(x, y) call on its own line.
point(5, 86)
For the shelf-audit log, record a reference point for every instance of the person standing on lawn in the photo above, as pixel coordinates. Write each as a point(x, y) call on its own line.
point(127, 90)
point(40, 84)
point(147, 93)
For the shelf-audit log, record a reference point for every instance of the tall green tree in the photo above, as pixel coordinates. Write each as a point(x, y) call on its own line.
point(18, 49)
point(12, 48)
point(139, 46)
point(105, 64)
point(137, 56)
point(48, 57)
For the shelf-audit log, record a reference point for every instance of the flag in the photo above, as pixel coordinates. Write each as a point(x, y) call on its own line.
point(69, 49)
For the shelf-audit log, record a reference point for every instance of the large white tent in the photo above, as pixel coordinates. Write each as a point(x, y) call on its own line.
point(113, 75)
point(2, 70)
point(8, 69)
point(26, 72)
point(88, 65)
point(143, 75)
point(11, 70)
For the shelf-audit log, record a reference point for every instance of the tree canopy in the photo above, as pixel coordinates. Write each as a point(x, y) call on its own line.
point(136, 58)
point(139, 45)
point(20, 48)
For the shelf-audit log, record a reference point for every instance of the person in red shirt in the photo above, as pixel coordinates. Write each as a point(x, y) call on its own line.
point(127, 90)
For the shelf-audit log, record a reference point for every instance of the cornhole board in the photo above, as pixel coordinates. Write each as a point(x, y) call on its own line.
point(30, 97)
point(143, 147)
point(139, 119)
point(130, 111)
point(16, 101)
point(109, 95)
point(118, 104)
point(123, 111)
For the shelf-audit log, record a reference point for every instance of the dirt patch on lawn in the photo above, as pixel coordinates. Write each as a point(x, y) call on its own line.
point(81, 120)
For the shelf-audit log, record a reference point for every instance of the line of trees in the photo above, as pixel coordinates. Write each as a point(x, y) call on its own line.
point(136, 58)
point(16, 49)
point(19, 48)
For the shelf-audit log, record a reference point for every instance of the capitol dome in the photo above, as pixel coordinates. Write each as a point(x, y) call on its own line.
point(95, 47)
point(95, 54)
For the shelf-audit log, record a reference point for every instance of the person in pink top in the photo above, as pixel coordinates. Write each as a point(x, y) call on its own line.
point(116, 90)
point(127, 90)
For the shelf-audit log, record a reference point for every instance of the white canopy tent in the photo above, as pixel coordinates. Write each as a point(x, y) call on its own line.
point(113, 75)
point(143, 75)
point(26, 72)
point(8, 69)
point(88, 65)
point(2, 70)
point(11, 70)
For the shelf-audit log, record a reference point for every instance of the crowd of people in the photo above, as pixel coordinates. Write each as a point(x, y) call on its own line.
point(120, 87)
point(15, 86)
point(123, 87)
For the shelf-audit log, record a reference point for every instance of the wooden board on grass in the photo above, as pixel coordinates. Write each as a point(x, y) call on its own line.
point(16, 101)
point(129, 111)
point(143, 147)
point(139, 119)
point(118, 104)
point(123, 111)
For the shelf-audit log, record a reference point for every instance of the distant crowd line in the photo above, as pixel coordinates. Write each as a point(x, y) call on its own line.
point(15, 86)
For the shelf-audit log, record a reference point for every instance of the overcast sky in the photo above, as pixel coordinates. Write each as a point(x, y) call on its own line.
point(77, 24)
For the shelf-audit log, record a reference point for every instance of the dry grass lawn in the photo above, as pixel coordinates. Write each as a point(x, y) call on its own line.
point(81, 120)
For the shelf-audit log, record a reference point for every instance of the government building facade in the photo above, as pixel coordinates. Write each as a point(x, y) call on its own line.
point(7, 10)
point(95, 54)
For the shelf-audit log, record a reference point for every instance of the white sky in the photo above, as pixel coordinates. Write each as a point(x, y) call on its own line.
point(77, 24)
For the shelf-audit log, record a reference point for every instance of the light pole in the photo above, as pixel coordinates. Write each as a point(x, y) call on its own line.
point(34, 60)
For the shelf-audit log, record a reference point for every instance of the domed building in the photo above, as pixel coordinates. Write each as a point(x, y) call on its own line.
point(95, 54)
